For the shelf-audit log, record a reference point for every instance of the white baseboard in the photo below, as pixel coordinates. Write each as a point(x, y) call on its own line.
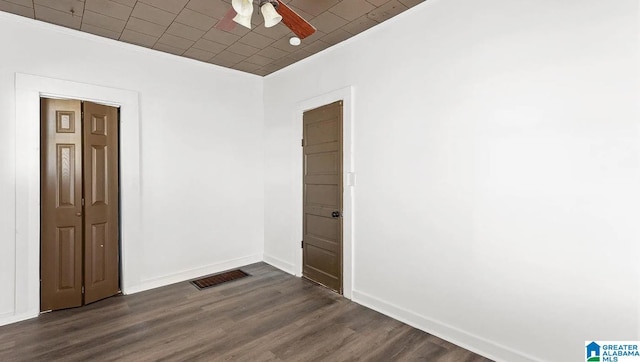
point(279, 263)
point(192, 273)
point(8, 318)
point(449, 333)
point(474, 343)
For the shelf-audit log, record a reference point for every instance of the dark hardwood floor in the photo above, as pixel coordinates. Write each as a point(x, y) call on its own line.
point(269, 316)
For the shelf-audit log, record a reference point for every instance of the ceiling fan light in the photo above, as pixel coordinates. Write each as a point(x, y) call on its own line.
point(244, 20)
point(295, 41)
point(243, 7)
point(271, 16)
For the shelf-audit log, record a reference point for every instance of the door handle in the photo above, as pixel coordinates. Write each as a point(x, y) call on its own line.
point(335, 214)
point(78, 214)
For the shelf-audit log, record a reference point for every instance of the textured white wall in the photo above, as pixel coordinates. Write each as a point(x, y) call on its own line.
point(496, 146)
point(201, 147)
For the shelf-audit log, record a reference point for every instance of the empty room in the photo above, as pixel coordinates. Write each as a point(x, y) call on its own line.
point(320, 180)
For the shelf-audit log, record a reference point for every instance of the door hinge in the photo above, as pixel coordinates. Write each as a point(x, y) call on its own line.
point(302, 142)
point(83, 289)
point(83, 201)
point(302, 244)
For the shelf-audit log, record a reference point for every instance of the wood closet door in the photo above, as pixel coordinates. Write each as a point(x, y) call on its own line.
point(79, 254)
point(101, 201)
point(61, 204)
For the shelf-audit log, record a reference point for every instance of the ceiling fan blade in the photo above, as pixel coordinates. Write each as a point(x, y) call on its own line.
point(227, 23)
point(295, 22)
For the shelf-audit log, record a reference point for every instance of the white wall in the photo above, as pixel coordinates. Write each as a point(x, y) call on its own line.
point(497, 152)
point(201, 143)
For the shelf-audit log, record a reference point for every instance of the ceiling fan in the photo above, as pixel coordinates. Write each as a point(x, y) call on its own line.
point(273, 12)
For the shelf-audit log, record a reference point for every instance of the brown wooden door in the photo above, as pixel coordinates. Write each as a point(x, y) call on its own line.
point(322, 209)
point(61, 204)
point(101, 201)
point(79, 203)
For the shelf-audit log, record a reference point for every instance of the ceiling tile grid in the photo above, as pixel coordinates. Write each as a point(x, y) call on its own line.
point(186, 27)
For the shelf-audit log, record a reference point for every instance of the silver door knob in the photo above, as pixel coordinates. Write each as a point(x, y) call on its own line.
point(78, 214)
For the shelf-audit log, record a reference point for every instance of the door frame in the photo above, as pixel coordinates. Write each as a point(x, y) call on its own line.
point(346, 95)
point(29, 89)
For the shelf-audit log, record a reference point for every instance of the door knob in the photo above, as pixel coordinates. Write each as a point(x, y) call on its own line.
point(78, 214)
point(335, 214)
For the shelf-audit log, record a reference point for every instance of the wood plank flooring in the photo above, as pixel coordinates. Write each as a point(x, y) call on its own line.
point(269, 316)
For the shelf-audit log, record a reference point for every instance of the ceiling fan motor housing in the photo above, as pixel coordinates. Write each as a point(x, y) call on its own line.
point(275, 3)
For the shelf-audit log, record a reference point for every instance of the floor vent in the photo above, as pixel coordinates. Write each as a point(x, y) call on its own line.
point(213, 280)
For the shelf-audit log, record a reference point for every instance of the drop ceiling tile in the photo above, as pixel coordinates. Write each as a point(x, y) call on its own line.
point(168, 49)
point(185, 31)
point(129, 3)
point(100, 31)
point(240, 30)
point(378, 2)
point(172, 6)
point(271, 68)
point(256, 40)
point(198, 54)
point(275, 32)
point(145, 27)
point(63, 5)
point(246, 67)
point(261, 72)
point(283, 44)
point(222, 62)
point(196, 20)
point(213, 8)
point(411, 3)
point(352, 9)
point(359, 25)
point(138, 38)
point(272, 52)
point(16, 9)
point(387, 11)
point(243, 49)
point(185, 27)
point(229, 57)
point(317, 46)
point(57, 17)
point(175, 41)
point(336, 37)
point(152, 14)
point(27, 3)
point(328, 22)
point(283, 62)
point(109, 8)
point(103, 21)
point(259, 60)
point(299, 55)
point(209, 46)
point(313, 7)
point(221, 36)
